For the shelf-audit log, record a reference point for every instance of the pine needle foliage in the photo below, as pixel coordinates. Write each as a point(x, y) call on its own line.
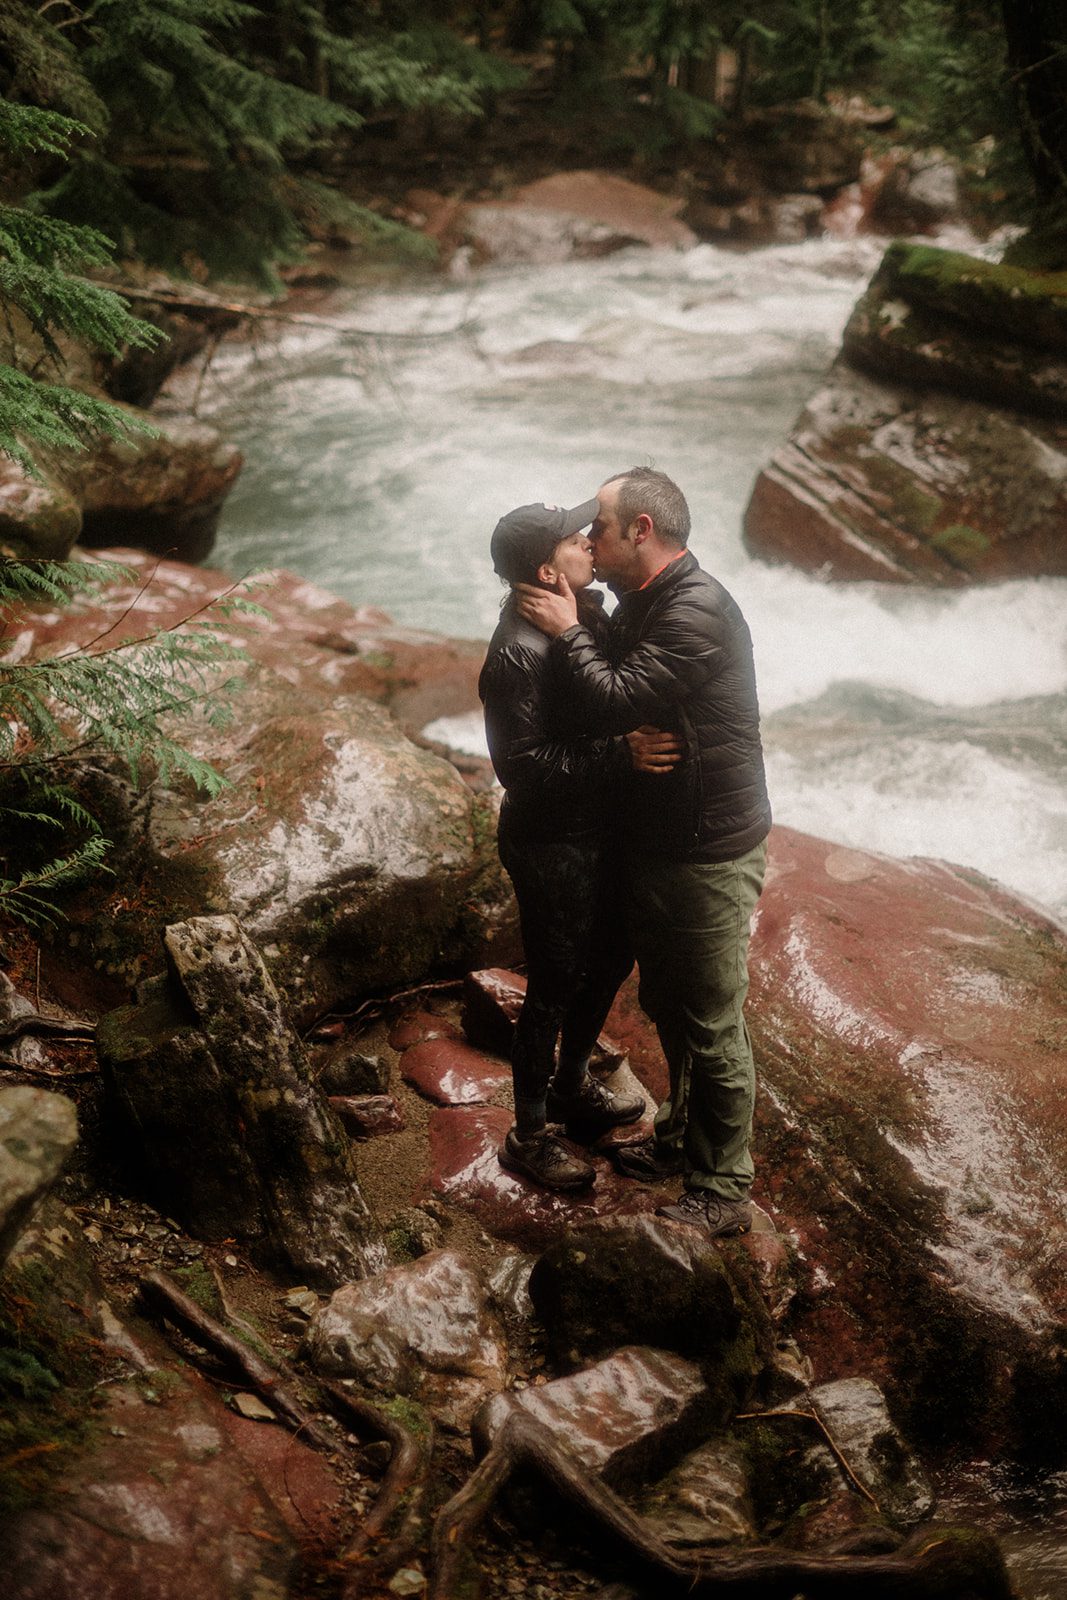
point(123, 702)
point(111, 699)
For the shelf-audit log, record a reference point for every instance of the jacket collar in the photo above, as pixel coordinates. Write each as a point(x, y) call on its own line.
point(666, 578)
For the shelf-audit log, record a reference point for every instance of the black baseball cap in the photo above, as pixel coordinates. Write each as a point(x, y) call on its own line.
point(527, 536)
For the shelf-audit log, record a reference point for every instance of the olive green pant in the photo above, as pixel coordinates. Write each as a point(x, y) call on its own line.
point(690, 931)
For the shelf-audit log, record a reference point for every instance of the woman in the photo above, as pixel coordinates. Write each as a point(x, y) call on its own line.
point(553, 842)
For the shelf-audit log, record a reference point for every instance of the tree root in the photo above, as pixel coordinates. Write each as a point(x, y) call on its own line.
point(399, 1508)
point(942, 1562)
point(162, 1295)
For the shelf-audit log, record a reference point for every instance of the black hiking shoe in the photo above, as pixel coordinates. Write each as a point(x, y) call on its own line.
point(593, 1109)
point(647, 1160)
point(717, 1217)
point(545, 1159)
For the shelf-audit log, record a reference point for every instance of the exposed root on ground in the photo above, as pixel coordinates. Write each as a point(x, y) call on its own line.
point(938, 1563)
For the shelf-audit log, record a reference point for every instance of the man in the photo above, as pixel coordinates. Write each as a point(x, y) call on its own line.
point(693, 837)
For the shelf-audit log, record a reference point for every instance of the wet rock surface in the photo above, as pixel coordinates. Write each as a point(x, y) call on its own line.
point(936, 450)
point(230, 1133)
point(706, 1499)
point(854, 1412)
point(357, 859)
point(635, 1279)
point(422, 1330)
point(911, 1121)
point(38, 1131)
point(627, 1417)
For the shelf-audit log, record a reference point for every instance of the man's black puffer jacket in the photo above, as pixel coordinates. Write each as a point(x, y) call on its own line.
point(556, 776)
point(679, 656)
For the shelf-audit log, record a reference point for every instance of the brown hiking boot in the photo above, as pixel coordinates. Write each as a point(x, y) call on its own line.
point(713, 1215)
point(545, 1159)
point(594, 1109)
point(647, 1160)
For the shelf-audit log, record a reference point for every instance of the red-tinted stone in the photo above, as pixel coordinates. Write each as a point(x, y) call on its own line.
point(908, 1019)
point(465, 1171)
point(298, 1480)
point(492, 1000)
point(157, 1506)
point(366, 1115)
point(452, 1074)
point(633, 1412)
point(415, 1026)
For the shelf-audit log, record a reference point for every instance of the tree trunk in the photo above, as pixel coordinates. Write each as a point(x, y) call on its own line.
point(1037, 59)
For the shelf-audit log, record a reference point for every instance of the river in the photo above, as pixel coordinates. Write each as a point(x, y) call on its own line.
point(912, 722)
point(381, 450)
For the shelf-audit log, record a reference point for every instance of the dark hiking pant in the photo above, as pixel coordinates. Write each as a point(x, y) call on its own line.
point(690, 927)
point(577, 954)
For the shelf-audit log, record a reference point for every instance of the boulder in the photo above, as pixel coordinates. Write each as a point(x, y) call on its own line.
point(228, 1132)
point(920, 191)
point(949, 464)
point(38, 1131)
point(38, 515)
point(705, 1500)
point(162, 494)
point(629, 1417)
point(855, 1415)
point(907, 1019)
point(421, 1330)
point(358, 860)
point(566, 216)
point(643, 1280)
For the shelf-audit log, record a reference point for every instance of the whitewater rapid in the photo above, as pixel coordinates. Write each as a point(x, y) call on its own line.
point(381, 449)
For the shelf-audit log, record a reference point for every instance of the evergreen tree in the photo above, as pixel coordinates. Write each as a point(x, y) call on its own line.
point(110, 696)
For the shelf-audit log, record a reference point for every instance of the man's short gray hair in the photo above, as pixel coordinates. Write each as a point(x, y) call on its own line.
point(643, 490)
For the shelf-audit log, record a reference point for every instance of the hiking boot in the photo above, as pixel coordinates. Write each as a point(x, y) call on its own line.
point(648, 1160)
point(593, 1109)
point(545, 1159)
point(717, 1217)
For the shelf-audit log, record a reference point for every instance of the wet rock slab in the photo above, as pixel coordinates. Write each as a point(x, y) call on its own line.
point(464, 1170)
point(422, 1330)
point(909, 1031)
point(629, 1416)
point(452, 1074)
point(159, 1508)
point(38, 1131)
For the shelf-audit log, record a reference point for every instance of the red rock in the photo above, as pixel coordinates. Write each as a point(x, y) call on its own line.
point(365, 1116)
point(465, 1171)
point(492, 1000)
point(297, 1479)
point(452, 1073)
point(414, 1026)
point(636, 1411)
point(157, 1506)
point(908, 1024)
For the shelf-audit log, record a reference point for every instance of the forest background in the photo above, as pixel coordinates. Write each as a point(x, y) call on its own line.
point(210, 139)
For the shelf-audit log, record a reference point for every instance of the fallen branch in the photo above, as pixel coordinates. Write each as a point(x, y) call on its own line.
point(939, 1563)
point(235, 308)
point(399, 1506)
point(162, 1295)
point(48, 1027)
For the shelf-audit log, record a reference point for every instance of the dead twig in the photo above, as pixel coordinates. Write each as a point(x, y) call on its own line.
point(835, 1448)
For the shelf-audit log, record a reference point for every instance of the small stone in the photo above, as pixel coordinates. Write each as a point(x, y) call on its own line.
point(304, 1300)
point(251, 1406)
point(409, 1580)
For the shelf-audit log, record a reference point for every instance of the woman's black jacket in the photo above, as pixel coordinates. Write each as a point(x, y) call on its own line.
point(556, 776)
